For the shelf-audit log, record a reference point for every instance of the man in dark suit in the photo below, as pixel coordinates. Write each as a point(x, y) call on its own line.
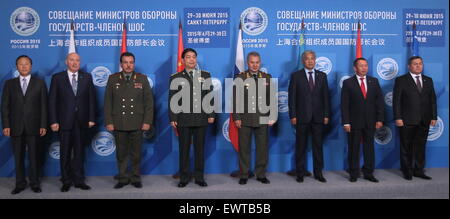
point(189, 88)
point(362, 112)
point(415, 110)
point(72, 112)
point(24, 118)
point(309, 112)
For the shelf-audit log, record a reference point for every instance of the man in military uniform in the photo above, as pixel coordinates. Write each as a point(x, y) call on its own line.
point(249, 121)
point(189, 88)
point(128, 112)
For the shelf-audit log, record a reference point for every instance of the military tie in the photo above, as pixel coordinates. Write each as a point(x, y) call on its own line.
point(191, 75)
point(419, 85)
point(74, 83)
point(24, 86)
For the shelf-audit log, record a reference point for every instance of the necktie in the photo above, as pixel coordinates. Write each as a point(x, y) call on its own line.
point(363, 88)
point(127, 77)
point(24, 86)
point(74, 83)
point(419, 85)
point(255, 76)
point(311, 81)
point(191, 75)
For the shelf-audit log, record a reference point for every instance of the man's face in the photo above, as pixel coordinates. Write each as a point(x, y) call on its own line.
point(24, 66)
point(309, 61)
point(416, 66)
point(190, 60)
point(254, 63)
point(127, 64)
point(73, 62)
point(361, 68)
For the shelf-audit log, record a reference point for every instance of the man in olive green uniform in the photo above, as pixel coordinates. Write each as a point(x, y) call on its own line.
point(189, 89)
point(248, 120)
point(128, 112)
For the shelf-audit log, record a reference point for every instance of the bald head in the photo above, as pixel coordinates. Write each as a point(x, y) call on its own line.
point(73, 62)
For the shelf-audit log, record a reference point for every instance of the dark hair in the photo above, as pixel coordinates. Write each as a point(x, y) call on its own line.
point(413, 58)
point(253, 54)
point(188, 50)
point(356, 61)
point(127, 54)
point(24, 56)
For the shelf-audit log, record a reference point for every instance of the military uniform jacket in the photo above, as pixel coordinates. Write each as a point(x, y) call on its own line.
point(128, 105)
point(249, 118)
point(191, 119)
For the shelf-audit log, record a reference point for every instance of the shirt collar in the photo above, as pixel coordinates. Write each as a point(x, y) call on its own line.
point(414, 75)
point(309, 70)
point(71, 73)
point(26, 77)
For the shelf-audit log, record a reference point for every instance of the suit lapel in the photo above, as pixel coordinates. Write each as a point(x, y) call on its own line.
point(413, 83)
point(304, 79)
point(30, 86)
point(358, 87)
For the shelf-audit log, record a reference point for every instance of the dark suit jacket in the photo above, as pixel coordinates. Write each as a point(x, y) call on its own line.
point(305, 105)
point(412, 106)
point(24, 114)
point(65, 108)
point(360, 112)
point(190, 119)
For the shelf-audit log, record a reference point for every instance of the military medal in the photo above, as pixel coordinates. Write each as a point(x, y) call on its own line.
point(138, 85)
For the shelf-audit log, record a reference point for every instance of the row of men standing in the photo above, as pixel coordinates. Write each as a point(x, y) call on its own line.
point(129, 111)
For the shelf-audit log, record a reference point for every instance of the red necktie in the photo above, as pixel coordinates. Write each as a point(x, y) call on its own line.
point(363, 87)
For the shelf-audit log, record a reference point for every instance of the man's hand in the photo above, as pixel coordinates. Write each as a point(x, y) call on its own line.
point(174, 124)
point(145, 127)
point(433, 122)
point(378, 125)
point(347, 128)
point(238, 123)
point(42, 131)
point(326, 120)
point(210, 120)
point(110, 127)
point(271, 122)
point(294, 121)
point(91, 124)
point(55, 127)
point(7, 132)
point(399, 123)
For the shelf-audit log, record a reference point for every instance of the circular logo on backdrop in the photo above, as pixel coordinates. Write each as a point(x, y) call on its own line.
point(264, 70)
point(53, 151)
point(341, 82)
point(100, 76)
point(150, 81)
point(16, 74)
point(383, 135)
point(24, 21)
point(283, 98)
point(225, 131)
point(324, 64)
point(103, 144)
point(387, 68)
point(437, 130)
point(388, 98)
point(254, 21)
point(216, 84)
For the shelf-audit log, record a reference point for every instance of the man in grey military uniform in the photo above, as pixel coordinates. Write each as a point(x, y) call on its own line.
point(249, 120)
point(192, 121)
point(128, 112)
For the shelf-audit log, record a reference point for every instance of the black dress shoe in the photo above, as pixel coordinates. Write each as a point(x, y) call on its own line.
point(17, 190)
point(137, 184)
point(36, 189)
point(263, 180)
point(407, 177)
point(320, 178)
point(182, 184)
point(201, 183)
point(120, 185)
point(299, 179)
point(371, 179)
point(353, 179)
point(65, 188)
point(242, 181)
point(423, 176)
point(82, 186)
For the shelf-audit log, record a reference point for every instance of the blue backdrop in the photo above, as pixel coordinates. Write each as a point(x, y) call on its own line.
point(40, 29)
